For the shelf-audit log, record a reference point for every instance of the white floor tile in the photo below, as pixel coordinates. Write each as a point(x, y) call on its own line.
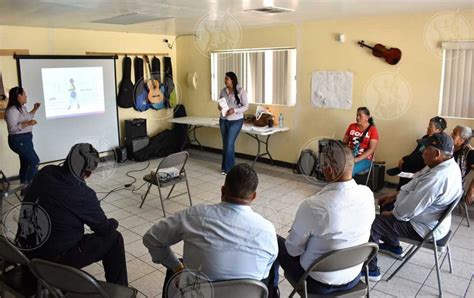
point(399, 287)
point(450, 283)
point(137, 268)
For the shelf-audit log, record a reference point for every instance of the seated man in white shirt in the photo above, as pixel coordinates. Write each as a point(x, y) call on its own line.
point(415, 210)
point(337, 217)
point(223, 241)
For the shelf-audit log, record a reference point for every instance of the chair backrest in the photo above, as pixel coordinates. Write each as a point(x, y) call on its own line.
point(66, 278)
point(344, 258)
point(177, 160)
point(11, 253)
point(4, 183)
point(235, 288)
point(445, 214)
point(449, 210)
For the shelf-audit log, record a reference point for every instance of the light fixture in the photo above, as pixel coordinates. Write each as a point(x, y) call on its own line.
point(341, 38)
point(170, 45)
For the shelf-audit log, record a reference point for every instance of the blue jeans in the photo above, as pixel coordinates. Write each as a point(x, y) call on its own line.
point(293, 269)
point(361, 166)
point(229, 130)
point(22, 144)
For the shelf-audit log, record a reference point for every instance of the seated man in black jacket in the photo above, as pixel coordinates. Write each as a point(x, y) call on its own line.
point(61, 192)
point(413, 162)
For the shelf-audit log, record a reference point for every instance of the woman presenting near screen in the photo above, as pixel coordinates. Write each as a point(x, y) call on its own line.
point(231, 123)
point(20, 124)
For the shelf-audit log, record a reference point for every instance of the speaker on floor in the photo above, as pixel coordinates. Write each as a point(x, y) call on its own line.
point(120, 154)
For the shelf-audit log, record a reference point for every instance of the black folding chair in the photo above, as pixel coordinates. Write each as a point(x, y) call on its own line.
point(16, 276)
point(75, 282)
point(441, 246)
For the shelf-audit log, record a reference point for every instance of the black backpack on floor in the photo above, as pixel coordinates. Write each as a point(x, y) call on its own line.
point(307, 163)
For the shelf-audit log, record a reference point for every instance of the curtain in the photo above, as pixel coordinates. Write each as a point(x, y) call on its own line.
point(457, 93)
point(281, 77)
point(256, 73)
point(252, 72)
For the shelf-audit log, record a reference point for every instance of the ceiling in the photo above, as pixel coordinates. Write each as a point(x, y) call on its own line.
point(183, 16)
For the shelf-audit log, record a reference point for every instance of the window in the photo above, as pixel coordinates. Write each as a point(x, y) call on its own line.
point(457, 81)
point(267, 75)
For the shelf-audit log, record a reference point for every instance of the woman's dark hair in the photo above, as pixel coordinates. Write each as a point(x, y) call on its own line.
point(233, 77)
point(366, 112)
point(13, 97)
point(439, 122)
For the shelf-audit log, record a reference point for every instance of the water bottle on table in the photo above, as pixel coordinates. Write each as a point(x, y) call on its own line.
point(280, 120)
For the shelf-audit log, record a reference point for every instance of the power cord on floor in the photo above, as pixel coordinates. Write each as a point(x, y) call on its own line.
point(128, 185)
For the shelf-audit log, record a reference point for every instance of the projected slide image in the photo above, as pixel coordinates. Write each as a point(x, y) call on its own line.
point(73, 91)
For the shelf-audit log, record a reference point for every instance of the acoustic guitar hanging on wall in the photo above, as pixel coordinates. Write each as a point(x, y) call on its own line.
point(392, 56)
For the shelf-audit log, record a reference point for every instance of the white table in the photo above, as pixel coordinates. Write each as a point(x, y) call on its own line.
point(250, 130)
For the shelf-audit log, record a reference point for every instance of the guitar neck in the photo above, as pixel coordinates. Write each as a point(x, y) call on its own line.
point(2, 90)
point(147, 74)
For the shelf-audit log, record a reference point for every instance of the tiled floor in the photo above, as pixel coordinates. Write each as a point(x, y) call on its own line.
point(279, 195)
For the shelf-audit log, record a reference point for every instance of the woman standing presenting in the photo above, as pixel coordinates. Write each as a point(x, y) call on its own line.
point(20, 139)
point(231, 123)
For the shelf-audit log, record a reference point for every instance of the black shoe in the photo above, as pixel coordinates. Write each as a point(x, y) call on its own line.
point(274, 292)
point(393, 171)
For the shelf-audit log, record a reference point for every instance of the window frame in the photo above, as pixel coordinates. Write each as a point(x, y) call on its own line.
point(293, 84)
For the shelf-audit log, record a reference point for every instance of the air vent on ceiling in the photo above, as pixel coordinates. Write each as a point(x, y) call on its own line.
point(271, 9)
point(129, 19)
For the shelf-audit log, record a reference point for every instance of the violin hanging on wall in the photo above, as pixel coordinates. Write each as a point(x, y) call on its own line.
point(392, 56)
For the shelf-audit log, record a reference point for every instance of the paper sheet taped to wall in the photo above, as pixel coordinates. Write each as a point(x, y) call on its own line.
point(331, 89)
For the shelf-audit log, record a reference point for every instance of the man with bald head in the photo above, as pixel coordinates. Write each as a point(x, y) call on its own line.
point(337, 217)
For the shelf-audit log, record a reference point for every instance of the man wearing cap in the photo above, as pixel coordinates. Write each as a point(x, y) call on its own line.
point(415, 210)
point(337, 217)
point(62, 193)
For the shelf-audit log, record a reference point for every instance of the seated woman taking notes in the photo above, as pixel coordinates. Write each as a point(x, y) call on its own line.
point(363, 150)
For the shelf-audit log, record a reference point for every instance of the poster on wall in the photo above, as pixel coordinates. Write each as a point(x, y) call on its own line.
point(331, 89)
point(3, 98)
